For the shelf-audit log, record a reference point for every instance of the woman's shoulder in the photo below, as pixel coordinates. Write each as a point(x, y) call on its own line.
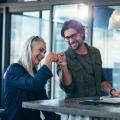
point(15, 67)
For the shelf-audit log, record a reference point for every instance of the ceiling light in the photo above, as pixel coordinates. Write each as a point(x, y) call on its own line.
point(114, 21)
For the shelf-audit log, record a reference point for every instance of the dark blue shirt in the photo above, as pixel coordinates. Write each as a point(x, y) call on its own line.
point(20, 86)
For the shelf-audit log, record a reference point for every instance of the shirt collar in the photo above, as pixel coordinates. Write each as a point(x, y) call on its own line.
point(73, 53)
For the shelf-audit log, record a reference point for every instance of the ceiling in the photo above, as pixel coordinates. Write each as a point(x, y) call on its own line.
point(114, 7)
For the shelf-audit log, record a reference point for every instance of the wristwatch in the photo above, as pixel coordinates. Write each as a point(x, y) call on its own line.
point(111, 91)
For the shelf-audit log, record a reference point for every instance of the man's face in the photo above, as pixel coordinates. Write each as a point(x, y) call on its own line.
point(74, 39)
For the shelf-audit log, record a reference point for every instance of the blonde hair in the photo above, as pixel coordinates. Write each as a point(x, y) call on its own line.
point(26, 59)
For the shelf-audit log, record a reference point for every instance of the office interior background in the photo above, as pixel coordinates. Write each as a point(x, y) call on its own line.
point(20, 19)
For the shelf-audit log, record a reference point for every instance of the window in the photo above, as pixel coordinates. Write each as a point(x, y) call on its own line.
point(21, 30)
point(108, 42)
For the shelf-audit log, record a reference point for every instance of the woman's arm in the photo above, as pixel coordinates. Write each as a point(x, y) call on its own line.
point(18, 77)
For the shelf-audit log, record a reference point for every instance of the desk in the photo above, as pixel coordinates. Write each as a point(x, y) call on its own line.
point(73, 107)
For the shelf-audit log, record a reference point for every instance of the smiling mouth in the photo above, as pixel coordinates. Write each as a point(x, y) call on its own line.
point(74, 43)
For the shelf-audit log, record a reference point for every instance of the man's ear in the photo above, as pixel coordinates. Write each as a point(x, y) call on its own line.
point(82, 35)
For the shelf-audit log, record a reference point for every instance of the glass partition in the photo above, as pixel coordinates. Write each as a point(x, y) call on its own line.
point(25, 25)
point(61, 13)
point(106, 37)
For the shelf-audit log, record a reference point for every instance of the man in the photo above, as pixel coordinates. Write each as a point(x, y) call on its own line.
point(80, 68)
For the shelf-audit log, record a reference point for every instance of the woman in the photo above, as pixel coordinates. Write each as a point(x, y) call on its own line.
point(24, 83)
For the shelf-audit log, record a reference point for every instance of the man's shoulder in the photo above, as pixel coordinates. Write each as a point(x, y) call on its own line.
point(68, 51)
point(94, 49)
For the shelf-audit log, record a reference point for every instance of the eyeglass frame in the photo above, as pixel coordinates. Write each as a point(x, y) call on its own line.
point(67, 38)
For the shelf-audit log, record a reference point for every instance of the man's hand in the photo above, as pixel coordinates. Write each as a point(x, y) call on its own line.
point(62, 60)
point(107, 87)
point(115, 93)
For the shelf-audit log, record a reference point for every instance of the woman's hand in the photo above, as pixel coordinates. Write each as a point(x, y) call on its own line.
point(51, 57)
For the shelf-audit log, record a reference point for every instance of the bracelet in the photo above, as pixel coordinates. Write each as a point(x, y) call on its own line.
point(111, 91)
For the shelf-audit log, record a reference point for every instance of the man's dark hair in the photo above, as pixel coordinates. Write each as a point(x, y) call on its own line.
point(74, 25)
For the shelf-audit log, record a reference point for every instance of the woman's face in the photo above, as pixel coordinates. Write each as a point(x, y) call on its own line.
point(38, 52)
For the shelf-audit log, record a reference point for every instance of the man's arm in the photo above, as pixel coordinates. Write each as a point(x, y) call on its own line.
point(106, 86)
point(66, 78)
point(64, 74)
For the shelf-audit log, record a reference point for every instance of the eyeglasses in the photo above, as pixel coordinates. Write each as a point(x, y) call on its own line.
point(67, 38)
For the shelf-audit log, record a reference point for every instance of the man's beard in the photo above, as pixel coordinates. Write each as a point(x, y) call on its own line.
point(75, 45)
